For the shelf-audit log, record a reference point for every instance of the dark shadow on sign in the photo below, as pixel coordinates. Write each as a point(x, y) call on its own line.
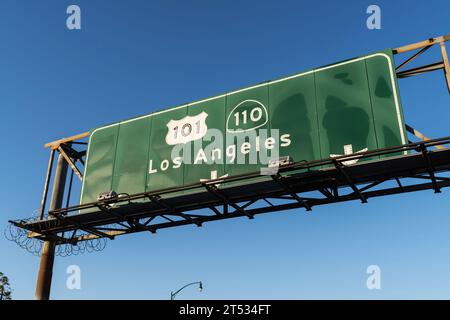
point(391, 139)
point(344, 77)
point(345, 125)
point(382, 88)
point(292, 112)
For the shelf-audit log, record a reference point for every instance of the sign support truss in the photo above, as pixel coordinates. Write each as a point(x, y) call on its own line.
point(298, 185)
point(422, 47)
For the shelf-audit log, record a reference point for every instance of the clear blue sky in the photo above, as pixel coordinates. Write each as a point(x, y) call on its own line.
point(133, 57)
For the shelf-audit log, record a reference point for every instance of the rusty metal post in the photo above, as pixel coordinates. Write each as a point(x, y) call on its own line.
point(44, 280)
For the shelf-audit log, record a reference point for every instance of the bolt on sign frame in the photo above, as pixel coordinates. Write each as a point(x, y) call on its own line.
point(383, 169)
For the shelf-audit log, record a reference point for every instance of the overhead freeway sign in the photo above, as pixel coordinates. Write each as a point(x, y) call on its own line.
point(342, 108)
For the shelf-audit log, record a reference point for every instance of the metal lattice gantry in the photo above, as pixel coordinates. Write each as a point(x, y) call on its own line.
point(299, 185)
point(420, 48)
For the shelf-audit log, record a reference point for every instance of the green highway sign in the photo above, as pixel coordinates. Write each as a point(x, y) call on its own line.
point(343, 108)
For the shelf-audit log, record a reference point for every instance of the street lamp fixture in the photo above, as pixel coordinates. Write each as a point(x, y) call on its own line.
point(200, 288)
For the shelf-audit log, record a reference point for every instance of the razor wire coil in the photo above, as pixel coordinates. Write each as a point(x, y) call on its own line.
point(34, 246)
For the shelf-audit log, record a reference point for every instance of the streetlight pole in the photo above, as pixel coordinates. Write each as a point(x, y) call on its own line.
point(173, 294)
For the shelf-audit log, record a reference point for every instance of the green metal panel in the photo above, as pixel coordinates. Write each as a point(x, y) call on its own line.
point(353, 105)
point(344, 108)
point(293, 111)
point(132, 157)
point(99, 172)
point(246, 129)
point(211, 147)
point(387, 110)
point(162, 172)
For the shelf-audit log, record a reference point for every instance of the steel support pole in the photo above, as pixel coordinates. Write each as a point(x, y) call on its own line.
point(47, 183)
point(44, 280)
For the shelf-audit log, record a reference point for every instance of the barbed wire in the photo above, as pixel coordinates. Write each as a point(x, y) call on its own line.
point(34, 245)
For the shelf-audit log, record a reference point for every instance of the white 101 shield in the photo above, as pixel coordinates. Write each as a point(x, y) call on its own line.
point(188, 129)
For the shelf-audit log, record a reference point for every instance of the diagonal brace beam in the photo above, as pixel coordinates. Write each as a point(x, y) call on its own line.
point(158, 200)
point(430, 168)
point(71, 164)
point(215, 191)
point(278, 178)
point(340, 169)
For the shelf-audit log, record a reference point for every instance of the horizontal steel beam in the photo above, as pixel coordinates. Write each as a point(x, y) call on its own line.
point(420, 70)
point(289, 206)
point(421, 44)
point(55, 144)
